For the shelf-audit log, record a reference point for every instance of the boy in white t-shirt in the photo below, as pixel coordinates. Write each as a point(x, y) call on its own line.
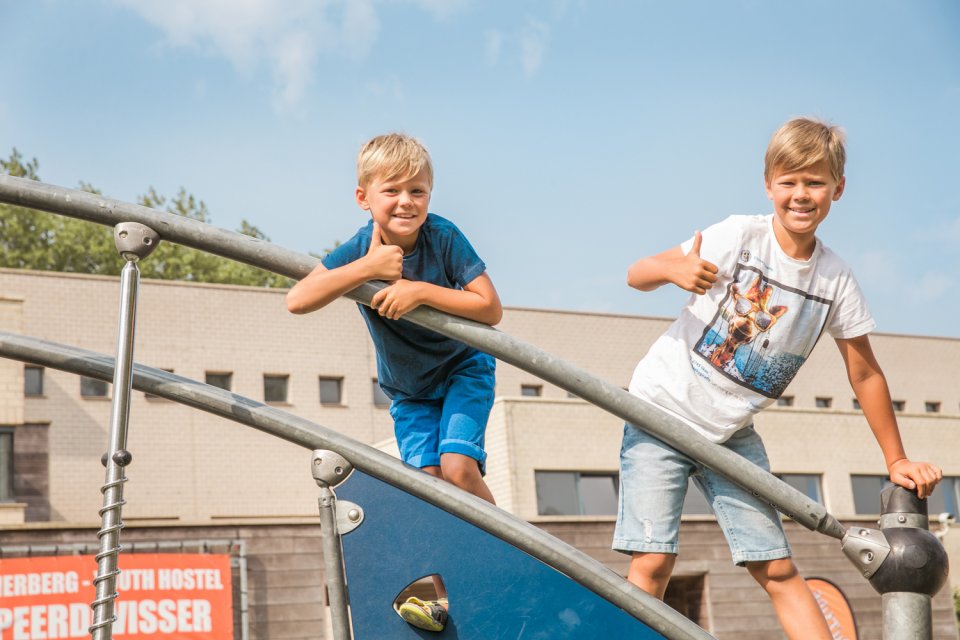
point(765, 288)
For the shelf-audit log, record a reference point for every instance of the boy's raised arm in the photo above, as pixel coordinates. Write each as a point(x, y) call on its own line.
point(322, 286)
point(688, 271)
point(870, 386)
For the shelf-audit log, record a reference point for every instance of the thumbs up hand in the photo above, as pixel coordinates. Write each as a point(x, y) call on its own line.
point(384, 261)
point(691, 272)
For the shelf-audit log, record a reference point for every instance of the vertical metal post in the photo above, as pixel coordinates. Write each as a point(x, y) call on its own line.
point(922, 566)
point(330, 469)
point(134, 241)
point(903, 561)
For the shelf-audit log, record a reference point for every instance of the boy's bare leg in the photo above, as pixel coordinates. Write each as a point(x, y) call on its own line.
point(437, 582)
point(651, 572)
point(797, 609)
point(464, 472)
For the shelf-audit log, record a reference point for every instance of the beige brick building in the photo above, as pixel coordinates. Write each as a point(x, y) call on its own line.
point(194, 473)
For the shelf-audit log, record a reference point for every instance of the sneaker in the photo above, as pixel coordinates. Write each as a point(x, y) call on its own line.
point(429, 615)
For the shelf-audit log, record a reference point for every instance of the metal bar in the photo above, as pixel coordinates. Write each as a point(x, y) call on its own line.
point(549, 550)
point(116, 459)
point(333, 565)
point(95, 208)
point(907, 616)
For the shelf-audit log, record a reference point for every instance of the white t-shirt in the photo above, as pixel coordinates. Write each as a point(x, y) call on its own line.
point(733, 351)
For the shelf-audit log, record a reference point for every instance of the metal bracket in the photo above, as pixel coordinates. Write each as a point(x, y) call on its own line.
point(135, 241)
point(866, 548)
point(349, 516)
point(329, 467)
point(894, 520)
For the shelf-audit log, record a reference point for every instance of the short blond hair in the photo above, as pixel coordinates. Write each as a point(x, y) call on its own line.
point(391, 156)
point(803, 142)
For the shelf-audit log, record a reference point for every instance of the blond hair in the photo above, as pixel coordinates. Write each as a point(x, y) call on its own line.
point(803, 142)
point(391, 156)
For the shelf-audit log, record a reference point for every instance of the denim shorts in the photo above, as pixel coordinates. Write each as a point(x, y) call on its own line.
point(451, 418)
point(653, 483)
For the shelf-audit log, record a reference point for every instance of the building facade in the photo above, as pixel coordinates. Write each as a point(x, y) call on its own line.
point(552, 457)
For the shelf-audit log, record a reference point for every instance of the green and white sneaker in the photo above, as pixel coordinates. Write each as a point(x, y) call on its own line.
point(429, 615)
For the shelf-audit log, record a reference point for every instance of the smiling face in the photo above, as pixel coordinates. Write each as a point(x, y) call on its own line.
point(801, 201)
point(399, 205)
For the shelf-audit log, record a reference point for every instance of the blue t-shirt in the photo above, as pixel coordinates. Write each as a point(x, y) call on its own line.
point(413, 360)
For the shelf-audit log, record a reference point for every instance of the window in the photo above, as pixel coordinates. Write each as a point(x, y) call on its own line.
point(571, 493)
point(945, 498)
point(931, 407)
point(866, 493)
point(275, 388)
point(380, 399)
point(330, 391)
point(220, 379)
point(32, 380)
point(785, 401)
point(856, 405)
point(823, 403)
point(6, 465)
point(150, 396)
point(531, 390)
point(806, 483)
point(93, 388)
point(899, 405)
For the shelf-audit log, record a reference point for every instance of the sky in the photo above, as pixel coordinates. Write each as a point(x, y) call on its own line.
point(569, 138)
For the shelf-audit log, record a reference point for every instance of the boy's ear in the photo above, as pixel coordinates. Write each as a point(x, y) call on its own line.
point(839, 190)
point(361, 197)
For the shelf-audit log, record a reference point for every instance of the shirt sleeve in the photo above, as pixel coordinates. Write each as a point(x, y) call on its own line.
point(352, 249)
point(463, 263)
point(851, 317)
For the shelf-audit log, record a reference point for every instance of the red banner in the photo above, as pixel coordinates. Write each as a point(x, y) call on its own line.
point(835, 607)
point(185, 596)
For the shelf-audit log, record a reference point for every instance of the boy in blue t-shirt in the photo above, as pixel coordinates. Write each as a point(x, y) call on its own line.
point(441, 389)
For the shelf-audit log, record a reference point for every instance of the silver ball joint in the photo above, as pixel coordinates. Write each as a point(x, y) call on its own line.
point(135, 241)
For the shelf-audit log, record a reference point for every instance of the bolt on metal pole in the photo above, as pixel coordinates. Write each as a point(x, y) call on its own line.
point(134, 241)
point(330, 469)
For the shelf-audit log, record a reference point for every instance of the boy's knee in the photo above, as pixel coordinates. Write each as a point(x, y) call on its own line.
point(656, 566)
point(459, 469)
point(779, 570)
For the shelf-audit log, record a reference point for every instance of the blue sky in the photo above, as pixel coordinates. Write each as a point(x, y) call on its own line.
point(569, 137)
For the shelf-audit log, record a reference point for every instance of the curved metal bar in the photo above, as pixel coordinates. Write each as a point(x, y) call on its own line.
point(95, 208)
point(526, 537)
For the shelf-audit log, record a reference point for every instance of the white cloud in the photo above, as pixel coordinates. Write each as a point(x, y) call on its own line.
point(442, 9)
point(526, 45)
point(953, 231)
point(286, 36)
point(493, 44)
point(533, 45)
point(931, 287)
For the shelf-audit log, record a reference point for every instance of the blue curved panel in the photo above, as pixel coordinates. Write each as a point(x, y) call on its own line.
point(496, 591)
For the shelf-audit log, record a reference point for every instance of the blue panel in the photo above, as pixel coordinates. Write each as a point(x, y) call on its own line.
point(495, 590)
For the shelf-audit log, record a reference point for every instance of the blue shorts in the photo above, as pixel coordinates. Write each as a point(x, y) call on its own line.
point(653, 483)
point(450, 419)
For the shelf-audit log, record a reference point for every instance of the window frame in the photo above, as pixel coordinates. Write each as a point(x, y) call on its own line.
point(94, 381)
point(339, 381)
point(577, 476)
point(41, 374)
point(228, 374)
point(536, 389)
point(285, 377)
point(7, 462)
